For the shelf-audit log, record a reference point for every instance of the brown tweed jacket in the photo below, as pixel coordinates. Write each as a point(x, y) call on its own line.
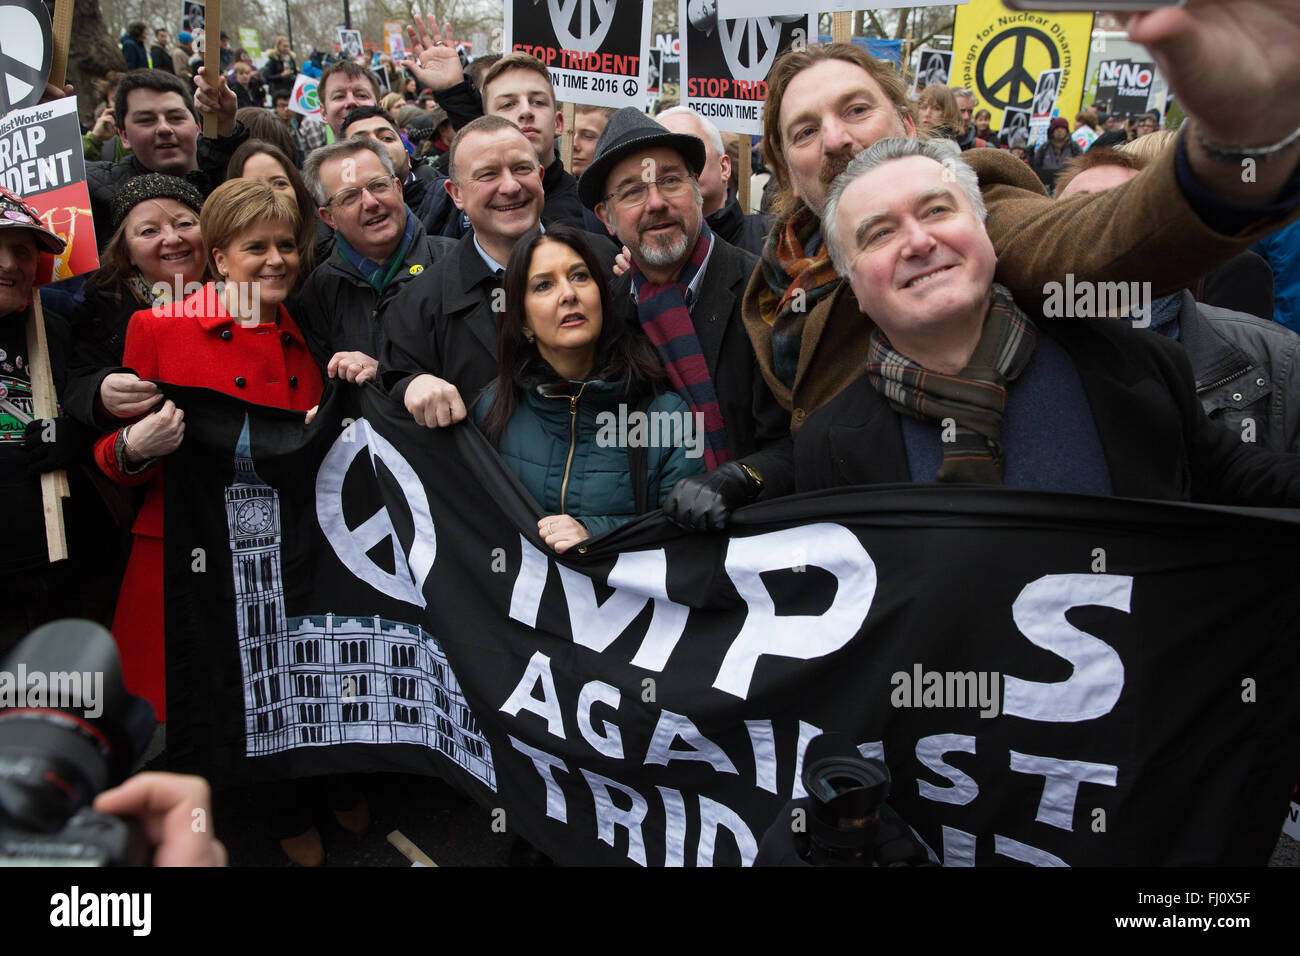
point(1142, 231)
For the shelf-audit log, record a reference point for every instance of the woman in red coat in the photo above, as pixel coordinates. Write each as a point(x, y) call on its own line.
point(234, 336)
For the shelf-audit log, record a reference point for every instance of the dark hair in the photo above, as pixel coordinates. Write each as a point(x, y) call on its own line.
point(478, 68)
point(276, 97)
point(263, 124)
point(621, 354)
point(350, 70)
point(484, 124)
point(305, 202)
point(137, 30)
point(159, 81)
point(365, 112)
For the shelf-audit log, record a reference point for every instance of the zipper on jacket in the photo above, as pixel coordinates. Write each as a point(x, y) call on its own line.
point(573, 437)
point(1225, 380)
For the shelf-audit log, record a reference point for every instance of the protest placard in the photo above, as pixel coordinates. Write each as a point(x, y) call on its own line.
point(593, 49)
point(304, 99)
point(933, 68)
point(725, 62)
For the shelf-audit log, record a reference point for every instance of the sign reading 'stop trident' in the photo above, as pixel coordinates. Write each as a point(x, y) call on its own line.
point(594, 49)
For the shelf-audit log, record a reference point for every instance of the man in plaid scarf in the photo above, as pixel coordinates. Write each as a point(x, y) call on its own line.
point(683, 292)
point(961, 385)
point(1192, 210)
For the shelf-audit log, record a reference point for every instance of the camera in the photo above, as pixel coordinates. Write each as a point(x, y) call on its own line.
point(68, 730)
point(844, 820)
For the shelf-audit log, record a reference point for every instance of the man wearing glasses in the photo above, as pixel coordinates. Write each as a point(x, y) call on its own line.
point(684, 290)
point(379, 247)
point(1148, 123)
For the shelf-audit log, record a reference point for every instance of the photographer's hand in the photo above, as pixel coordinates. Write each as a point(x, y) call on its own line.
point(176, 811)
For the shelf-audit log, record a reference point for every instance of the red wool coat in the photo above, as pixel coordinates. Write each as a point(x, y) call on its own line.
point(193, 342)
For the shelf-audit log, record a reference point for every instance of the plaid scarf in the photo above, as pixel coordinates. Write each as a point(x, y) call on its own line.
point(378, 274)
point(796, 280)
point(974, 399)
point(662, 311)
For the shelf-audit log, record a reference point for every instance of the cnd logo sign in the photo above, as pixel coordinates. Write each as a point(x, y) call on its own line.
point(406, 581)
point(594, 20)
point(738, 37)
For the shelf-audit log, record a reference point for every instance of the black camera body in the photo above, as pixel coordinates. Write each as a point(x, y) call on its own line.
point(68, 731)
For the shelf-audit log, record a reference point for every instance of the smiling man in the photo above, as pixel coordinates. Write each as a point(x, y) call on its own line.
point(517, 87)
point(423, 187)
point(379, 247)
point(159, 123)
point(962, 385)
point(343, 87)
point(443, 342)
point(1176, 221)
point(683, 292)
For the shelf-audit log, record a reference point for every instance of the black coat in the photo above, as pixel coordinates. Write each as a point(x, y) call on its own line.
point(339, 311)
point(1155, 437)
point(746, 232)
point(443, 324)
point(758, 429)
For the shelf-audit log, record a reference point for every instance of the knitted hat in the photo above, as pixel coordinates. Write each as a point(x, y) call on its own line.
point(16, 213)
point(184, 37)
point(1058, 122)
point(153, 186)
point(631, 131)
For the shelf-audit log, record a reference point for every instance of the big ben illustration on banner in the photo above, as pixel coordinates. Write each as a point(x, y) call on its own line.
point(322, 679)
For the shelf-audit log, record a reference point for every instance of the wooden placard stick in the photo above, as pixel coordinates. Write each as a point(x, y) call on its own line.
point(566, 139)
point(842, 26)
point(744, 173)
point(408, 849)
point(211, 59)
point(54, 484)
point(62, 32)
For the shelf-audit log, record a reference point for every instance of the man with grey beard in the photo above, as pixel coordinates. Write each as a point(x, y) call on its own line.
point(684, 290)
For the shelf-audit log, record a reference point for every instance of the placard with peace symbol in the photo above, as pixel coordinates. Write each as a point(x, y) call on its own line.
point(593, 49)
point(26, 51)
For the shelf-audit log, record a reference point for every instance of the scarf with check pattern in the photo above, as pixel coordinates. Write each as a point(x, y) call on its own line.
point(974, 399)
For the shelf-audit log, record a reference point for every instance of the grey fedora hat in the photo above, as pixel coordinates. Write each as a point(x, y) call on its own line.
point(630, 131)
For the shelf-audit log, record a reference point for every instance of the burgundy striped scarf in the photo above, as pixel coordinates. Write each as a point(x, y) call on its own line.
point(662, 311)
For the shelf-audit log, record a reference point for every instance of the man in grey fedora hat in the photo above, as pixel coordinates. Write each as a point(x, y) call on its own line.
point(684, 290)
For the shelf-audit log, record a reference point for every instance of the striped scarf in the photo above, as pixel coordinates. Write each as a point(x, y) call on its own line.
point(798, 273)
point(666, 320)
point(378, 274)
point(974, 399)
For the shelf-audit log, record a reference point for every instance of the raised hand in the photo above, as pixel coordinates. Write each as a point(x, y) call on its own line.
point(433, 62)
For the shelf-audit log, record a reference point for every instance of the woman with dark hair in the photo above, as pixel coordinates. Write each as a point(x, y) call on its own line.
point(258, 159)
point(560, 367)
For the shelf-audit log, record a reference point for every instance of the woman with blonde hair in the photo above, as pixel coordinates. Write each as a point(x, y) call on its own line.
point(281, 68)
point(232, 335)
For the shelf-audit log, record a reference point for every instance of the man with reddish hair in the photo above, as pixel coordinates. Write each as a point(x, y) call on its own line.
point(1175, 221)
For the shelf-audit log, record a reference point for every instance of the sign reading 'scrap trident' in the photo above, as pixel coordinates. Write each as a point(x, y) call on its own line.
point(594, 49)
point(42, 161)
point(725, 62)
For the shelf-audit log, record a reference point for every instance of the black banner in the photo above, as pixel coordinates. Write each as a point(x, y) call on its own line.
point(1051, 679)
point(1125, 85)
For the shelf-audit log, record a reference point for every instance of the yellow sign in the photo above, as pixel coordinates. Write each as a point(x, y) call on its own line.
point(999, 53)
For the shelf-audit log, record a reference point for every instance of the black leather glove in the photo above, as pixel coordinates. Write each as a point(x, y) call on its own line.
point(705, 502)
point(52, 444)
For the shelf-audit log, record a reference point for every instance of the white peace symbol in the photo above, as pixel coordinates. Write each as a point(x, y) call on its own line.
point(406, 582)
point(591, 37)
point(733, 33)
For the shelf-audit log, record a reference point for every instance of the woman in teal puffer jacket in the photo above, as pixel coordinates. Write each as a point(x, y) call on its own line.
point(571, 391)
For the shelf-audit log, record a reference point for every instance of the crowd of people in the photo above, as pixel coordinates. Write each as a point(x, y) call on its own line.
point(883, 319)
